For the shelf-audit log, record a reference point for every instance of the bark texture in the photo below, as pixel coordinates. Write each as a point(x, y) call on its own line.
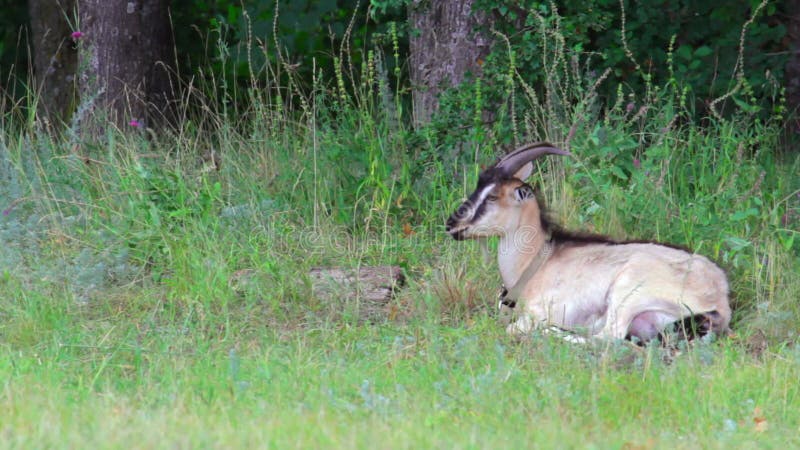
point(444, 46)
point(55, 57)
point(125, 61)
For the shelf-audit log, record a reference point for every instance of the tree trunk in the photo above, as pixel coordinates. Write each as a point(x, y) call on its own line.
point(444, 46)
point(54, 57)
point(125, 63)
point(792, 73)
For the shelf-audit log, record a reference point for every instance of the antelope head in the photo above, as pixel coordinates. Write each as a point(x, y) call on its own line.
point(501, 196)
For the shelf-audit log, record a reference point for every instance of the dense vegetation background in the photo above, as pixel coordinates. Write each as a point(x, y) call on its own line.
point(164, 196)
point(714, 47)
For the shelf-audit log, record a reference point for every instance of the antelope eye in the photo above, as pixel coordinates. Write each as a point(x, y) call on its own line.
point(492, 198)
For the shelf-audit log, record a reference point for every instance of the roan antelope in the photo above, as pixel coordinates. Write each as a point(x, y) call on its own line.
point(589, 285)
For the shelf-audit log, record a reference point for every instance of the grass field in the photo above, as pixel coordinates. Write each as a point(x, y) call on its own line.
point(151, 298)
point(389, 387)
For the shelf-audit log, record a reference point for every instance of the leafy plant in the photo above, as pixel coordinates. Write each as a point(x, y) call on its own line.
point(708, 58)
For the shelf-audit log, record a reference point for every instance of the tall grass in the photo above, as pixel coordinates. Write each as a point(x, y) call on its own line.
point(154, 288)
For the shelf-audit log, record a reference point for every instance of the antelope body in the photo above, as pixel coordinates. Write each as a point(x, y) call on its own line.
point(585, 284)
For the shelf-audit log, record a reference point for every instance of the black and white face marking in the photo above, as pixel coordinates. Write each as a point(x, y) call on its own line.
point(491, 207)
point(479, 201)
point(471, 210)
point(484, 212)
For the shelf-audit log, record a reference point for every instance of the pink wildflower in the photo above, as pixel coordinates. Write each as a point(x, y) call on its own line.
point(629, 107)
point(134, 123)
point(77, 34)
point(636, 163)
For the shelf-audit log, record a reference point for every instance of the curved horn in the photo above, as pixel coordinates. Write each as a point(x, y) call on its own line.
point(512, 162)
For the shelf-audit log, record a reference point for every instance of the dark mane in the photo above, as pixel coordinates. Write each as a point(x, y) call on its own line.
point(559, 235)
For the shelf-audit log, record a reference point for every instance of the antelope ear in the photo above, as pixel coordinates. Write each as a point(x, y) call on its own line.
point(524, 172)
point(523, 192)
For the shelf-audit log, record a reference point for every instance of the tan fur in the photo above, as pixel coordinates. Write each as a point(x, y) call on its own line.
point(600, 289)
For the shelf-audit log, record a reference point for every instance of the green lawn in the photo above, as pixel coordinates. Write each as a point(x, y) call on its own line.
point(149, 300)
point(110, 383)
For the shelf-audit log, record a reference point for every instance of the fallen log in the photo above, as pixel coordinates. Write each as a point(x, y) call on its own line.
point(366, 290)
point(370, 284)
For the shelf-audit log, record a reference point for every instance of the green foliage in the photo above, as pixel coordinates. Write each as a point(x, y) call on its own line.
point(155, 286)
point(241, 39)
point(706, 38)
point(555, 67)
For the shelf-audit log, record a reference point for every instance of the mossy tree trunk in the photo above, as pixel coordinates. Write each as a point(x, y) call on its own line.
point(54, 57)
point(125, 64)
point(445, 47)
